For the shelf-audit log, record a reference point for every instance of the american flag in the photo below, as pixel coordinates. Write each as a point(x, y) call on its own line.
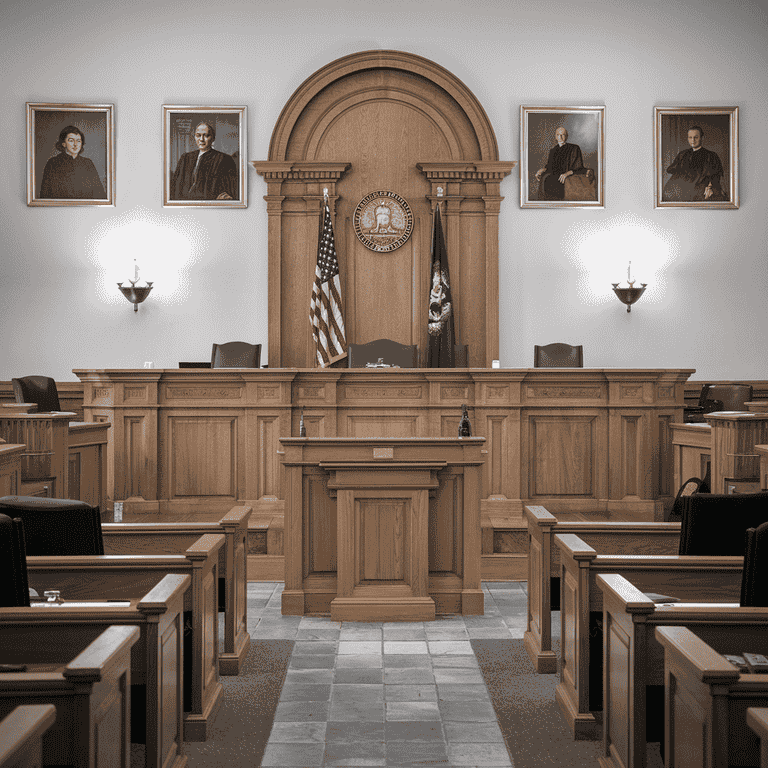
point(325, 309)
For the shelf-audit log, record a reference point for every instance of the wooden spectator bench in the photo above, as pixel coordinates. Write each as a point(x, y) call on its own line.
point(21, 735)
point(544, 565)
point(129, 576)
point(156, 658)
point(757, 720)
point(89, 687)
point(171, 538)
point(684, 576)
point(634, 659)
point(707, 699)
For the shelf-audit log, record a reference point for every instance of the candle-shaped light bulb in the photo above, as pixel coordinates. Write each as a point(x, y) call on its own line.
point(629, 276)
point(136, 268)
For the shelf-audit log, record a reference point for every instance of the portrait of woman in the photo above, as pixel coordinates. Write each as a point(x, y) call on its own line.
point(70, 154)
point(70, 175)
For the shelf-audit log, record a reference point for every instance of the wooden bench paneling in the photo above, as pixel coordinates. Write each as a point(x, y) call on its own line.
point(21, 735)
point(617, 537)
point(634, 659)
point(707, 700)
point(156, 659)
point(686, 577)
point(175, 538)
point(127, 576)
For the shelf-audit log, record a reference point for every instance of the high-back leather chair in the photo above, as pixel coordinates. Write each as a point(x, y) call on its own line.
point(13, 564)
point(754, 578)
point(558, 355)
point(40, 390)
point(56, 526)
point(726, 397)
point(392, 353)
point(716, 523)
point(236, 354)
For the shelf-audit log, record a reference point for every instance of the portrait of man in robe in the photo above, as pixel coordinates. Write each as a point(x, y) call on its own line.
point(70, 154)
point(696, 157)
point(204, 156)
point(561, 157)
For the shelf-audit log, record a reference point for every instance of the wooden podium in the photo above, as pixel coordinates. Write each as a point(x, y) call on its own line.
point(382, 529)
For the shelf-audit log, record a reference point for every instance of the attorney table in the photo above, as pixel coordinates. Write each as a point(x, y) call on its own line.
point(382, 529)
point(569, 439)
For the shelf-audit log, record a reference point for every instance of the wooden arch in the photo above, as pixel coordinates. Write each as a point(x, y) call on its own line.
point(383, 120)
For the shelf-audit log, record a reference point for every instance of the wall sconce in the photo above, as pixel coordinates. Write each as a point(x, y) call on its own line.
point(133, 292)
point(629, 295)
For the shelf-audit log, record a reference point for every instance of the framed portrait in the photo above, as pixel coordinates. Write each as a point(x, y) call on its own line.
point(562, 157)
point(696, 152)
point(70, 154)
point(204, 163)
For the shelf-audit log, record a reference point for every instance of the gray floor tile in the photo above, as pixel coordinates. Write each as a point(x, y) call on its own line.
point(458, 692)
point(315, 661)
point(298, 733)
point(359, 754)
point(455, 675)
point(415, 730)
point(352, 731)
point(309, 676)
point(413, 676)
point(479, 754)
point(355, 692)
point(305, 692)
point(472, 732)
point(306, 755)
point(302, 712)
point(356, 711)
point(467, 711)
point(308, 647)
point(455, 662)
point(412, 710)
point(405, 661)
point(359, 661)
point(410, 693)
point(352, 675)
point(416, 753)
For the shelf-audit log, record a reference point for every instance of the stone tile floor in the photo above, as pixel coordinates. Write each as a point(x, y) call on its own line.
point(386, 693)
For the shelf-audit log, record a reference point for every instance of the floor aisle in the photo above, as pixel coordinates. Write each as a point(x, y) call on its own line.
point(387, 694)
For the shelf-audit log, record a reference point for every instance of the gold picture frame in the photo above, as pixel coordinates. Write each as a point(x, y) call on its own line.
point(221, 181)
point(70, 154)
point(578, 153)
point(712, 179)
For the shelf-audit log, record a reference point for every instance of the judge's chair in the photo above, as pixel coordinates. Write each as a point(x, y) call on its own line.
point(718, 397)
point(40, 390)
point(13, 564)
point(236, 354)
point(390, 352)
point(558, 356)
point(54, 527)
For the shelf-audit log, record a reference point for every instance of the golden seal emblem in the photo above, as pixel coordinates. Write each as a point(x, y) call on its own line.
point(383, 221)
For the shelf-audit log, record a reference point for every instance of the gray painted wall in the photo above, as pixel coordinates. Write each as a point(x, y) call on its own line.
point(704, 307)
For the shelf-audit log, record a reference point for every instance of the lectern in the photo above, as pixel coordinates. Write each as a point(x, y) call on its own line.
point(382, 529)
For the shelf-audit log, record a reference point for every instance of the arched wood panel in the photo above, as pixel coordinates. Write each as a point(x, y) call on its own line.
point(383, 120)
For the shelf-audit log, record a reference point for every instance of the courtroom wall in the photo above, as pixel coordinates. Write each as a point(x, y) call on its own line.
point(704, 307)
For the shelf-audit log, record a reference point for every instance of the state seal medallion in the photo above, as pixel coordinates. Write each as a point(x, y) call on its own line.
point(383, 221)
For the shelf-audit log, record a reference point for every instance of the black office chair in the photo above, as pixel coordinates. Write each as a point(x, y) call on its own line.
point(236, 354)
point(558, 356)
point(40, 390)
point(754, 578)
point(391, 352)
point(13, 564)
point(55, 527)
point(715, 523)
